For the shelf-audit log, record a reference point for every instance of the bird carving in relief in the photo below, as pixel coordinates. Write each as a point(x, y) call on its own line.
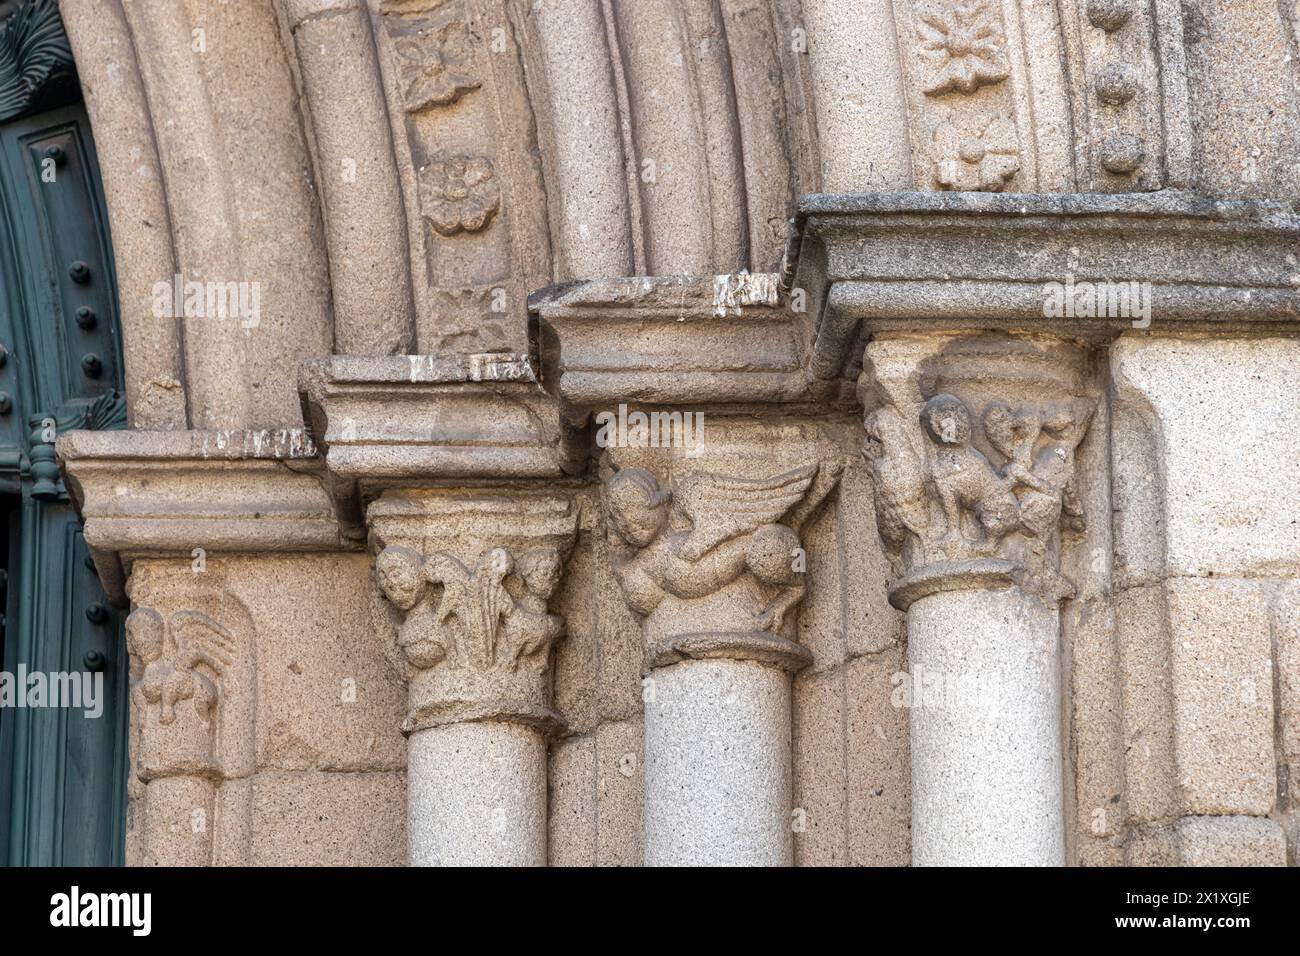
point(183, 660)
point(899, 476)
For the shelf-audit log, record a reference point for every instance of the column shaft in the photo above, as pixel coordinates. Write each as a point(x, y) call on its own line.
point(717, 774)
point(985, 726)
point(476, 795)
point(179, 821)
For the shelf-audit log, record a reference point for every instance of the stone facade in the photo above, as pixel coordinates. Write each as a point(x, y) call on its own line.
point(828, 432)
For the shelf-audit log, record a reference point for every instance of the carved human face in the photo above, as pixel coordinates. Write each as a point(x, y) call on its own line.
point(638, 509)
point(145, 632)
point(400, 577)
point(884, 429)
point(541, 572)
point(947, 420)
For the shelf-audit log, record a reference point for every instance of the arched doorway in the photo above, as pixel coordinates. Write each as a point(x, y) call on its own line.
point(63, 726)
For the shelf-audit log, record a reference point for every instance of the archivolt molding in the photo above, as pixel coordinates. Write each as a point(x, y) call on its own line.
point(439, 161)
point(359, 172)
point(139, 217)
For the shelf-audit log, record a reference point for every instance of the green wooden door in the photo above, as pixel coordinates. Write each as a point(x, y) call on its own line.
point(62, 767)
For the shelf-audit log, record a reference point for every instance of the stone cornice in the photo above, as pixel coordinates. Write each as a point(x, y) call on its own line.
point(163, 494)
point(385, 420)
point(671, 340)
point(860, 264)
point(880, 261)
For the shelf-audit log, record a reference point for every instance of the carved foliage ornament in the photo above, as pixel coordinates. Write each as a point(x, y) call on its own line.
point(985, 160)
point(940, 499)
point(435, 64)
point(963, 44)
point(474, 637)
point(488, 617)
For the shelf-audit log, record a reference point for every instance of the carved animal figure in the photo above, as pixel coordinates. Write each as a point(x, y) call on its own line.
point(175, 657)
point(902, 504)
point(709, 530)
point(964, 478)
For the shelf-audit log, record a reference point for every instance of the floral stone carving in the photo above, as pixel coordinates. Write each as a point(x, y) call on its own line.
point(714, 564)
point(474, 642)
point(943, 507)
point(459, 194)
point(963, 44)
point(434, 66)
point(983, 160)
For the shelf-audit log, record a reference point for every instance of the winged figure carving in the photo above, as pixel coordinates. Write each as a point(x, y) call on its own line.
point(183, 659)
point(719, 508)
point(708, 530)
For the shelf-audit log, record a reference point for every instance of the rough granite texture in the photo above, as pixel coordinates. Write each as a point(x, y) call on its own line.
point(476, 228)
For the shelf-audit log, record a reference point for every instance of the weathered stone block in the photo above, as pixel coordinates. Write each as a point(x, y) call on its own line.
point(1222, 676)
point(329, 819)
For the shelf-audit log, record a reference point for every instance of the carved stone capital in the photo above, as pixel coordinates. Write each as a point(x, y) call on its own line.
point(192, 692)
point(713, 564)
point(465, 583)
point(973, 457)
point(178, 693)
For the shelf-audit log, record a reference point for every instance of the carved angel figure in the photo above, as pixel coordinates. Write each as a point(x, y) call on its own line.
point(702, 535)
point(182, 662)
